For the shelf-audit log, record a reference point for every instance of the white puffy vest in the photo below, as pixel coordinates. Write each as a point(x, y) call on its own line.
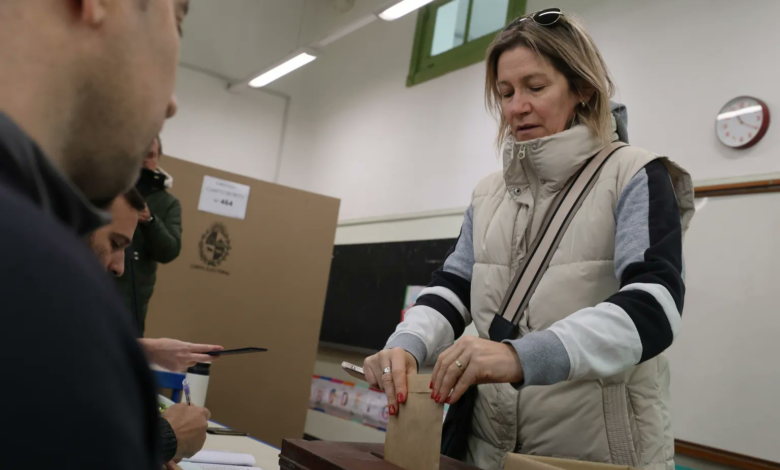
point(623, 419)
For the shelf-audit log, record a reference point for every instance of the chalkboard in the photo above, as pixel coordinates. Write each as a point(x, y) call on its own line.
point(367, 287)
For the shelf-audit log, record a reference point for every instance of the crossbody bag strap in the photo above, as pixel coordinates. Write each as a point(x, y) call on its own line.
point(554, 226)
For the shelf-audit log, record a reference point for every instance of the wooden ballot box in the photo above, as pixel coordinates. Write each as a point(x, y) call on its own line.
point(323, 455)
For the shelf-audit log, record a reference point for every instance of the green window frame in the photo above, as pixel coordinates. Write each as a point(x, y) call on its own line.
point(425, 67)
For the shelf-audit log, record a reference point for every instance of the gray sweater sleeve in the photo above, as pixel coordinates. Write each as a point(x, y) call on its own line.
point(441, 312)
point(638, 322)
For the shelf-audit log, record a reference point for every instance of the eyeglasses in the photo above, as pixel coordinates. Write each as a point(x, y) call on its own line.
point(546, 17)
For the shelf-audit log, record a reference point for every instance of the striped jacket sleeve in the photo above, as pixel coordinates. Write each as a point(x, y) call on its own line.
point(441, 312)
point(641, 320)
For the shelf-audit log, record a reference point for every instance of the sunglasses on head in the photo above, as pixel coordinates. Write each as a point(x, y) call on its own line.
point(547, 17)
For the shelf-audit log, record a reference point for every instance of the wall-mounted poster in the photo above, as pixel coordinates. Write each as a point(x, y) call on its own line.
point(412, 292)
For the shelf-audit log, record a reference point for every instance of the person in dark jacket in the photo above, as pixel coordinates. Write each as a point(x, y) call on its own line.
point(85, 86)
point(157, 240)
point(182, 427)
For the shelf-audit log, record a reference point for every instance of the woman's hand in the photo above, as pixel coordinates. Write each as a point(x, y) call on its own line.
point(401, 364)
point(481, 362)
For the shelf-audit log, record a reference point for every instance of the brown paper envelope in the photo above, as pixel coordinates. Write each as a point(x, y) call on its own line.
point(522, 462)
point(413, 440)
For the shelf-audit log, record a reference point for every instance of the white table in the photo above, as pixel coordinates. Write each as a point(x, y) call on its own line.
point(266, 455)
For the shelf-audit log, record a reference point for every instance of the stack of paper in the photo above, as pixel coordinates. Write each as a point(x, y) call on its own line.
point(218, 460)
point(210, 466)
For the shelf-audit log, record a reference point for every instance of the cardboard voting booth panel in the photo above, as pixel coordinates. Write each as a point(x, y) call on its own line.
point(253, 271)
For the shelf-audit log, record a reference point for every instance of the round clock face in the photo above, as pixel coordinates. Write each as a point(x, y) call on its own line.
point(742, 122)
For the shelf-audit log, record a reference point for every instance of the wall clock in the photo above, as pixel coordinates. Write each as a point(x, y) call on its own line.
point(742, 122)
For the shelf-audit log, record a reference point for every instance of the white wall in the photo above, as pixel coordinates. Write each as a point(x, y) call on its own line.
point(357, 133)
point(236, 133)
point(240, 37)
point(675, 71)
point(382, 148)
point(725, 378)
point(423, 226)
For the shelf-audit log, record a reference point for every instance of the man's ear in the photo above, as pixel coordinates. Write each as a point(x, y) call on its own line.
point(94, 12)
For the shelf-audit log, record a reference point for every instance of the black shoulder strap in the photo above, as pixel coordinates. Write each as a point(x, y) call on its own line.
point(554, 226)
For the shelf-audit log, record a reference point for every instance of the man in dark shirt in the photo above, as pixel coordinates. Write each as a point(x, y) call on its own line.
point(182, 427)
point(84, 88)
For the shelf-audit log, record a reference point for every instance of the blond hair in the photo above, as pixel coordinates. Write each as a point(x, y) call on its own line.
point(571, 51)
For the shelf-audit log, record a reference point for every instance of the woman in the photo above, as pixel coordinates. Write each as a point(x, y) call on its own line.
point(585, 379)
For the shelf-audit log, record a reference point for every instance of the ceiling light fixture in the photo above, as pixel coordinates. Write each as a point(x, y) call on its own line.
point(297, 61)
point(402, 8)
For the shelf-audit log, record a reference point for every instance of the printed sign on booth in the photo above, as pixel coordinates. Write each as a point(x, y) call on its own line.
point(222, 197)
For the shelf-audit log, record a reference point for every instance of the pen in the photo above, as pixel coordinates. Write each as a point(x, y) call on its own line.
point(186, 386)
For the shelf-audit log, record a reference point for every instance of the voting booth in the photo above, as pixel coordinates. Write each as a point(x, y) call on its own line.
point(253, 271)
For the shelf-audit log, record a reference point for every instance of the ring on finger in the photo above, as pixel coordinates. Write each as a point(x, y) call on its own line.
point(386, 370)
point(459, 364)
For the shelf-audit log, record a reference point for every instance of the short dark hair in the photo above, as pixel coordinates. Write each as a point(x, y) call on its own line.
point(134, 198)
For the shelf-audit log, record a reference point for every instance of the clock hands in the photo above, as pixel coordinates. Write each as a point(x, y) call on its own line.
point(746, 124)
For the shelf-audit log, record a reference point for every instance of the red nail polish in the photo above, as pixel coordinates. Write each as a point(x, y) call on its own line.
point(431, 385)
point(447, 401)
point(438, 398)
point(392, 410)
point(400, 398)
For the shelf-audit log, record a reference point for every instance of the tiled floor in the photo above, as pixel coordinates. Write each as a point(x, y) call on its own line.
point(684, 462)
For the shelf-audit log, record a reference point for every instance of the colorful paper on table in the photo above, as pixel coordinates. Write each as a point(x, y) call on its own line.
point(352, 401)
point(412, 292)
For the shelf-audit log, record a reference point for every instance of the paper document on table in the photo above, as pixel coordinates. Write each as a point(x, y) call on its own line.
point(211, 466)
point(224, 458)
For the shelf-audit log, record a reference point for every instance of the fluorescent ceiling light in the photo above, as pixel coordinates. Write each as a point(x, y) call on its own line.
point(280, 71)
point(739, 112)
point(400, 9)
